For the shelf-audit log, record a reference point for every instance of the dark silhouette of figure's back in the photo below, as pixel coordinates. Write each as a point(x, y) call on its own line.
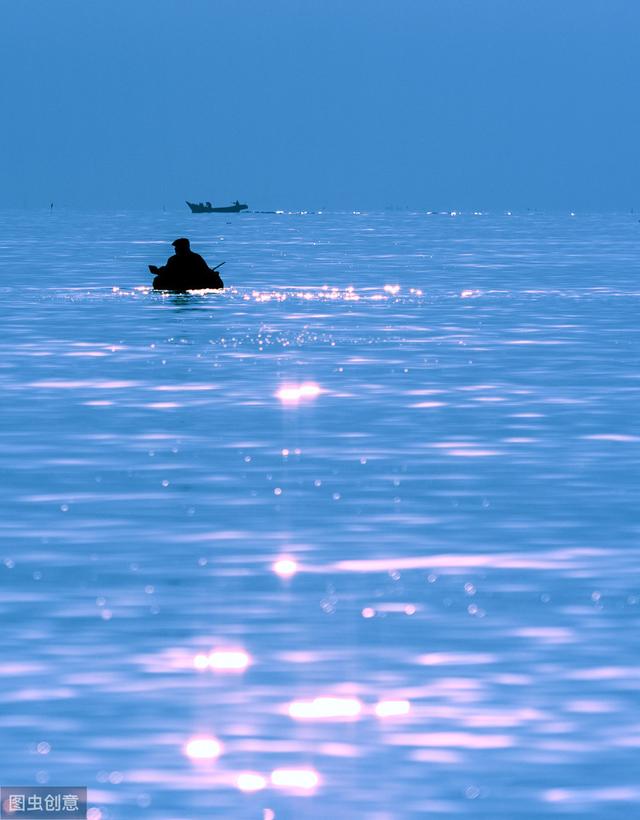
point(185, 270)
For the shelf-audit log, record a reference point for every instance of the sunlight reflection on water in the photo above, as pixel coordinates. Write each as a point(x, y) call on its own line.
point(355, 538)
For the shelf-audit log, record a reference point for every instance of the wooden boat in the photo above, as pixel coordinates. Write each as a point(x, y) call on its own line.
point(207, 208)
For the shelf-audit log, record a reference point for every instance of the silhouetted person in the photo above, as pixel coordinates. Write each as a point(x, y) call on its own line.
point(185, 270)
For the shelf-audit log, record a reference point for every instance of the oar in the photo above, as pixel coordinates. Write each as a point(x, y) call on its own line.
point(218, 266)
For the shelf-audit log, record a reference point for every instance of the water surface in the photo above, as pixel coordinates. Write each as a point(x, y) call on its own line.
point(363, 526)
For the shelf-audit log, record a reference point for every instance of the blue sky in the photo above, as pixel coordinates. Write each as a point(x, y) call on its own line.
point(321, 103)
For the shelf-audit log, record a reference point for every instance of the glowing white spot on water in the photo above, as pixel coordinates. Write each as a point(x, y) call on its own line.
point(368, 612)
point(325, 708)
point(295, 778)
point(201, 661)
point(292, 394)
point(251, 782)
point(392, 708)
point(285, 567)
point(229, 660)
point(203, 748)
point(392, 289)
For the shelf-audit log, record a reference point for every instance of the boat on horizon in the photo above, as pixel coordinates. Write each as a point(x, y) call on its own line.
point(208, 208)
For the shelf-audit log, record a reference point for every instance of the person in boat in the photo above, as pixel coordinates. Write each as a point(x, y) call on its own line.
point(185, 270)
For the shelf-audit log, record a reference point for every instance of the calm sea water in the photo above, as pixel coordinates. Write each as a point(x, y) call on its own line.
point(356, 538)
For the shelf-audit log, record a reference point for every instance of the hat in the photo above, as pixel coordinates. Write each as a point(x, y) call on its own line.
point(182, 241)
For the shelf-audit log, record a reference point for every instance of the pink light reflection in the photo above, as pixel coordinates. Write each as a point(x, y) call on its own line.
point(251, 782)
point(292, 394)
point(201, 661)
point(229, 660)
point(223, 660)
point(285, 567)
point(324, 708)
point(203, 748)
point(463, 740)
point(392, 708)
point(295, 778)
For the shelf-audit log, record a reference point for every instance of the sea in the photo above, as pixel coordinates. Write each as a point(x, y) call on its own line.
point(355, 538)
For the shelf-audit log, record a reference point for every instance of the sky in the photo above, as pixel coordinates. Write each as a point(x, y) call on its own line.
point(369, 104)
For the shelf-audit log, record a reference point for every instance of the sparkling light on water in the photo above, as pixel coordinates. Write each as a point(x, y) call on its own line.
point(281, 491)
point(285, 567)
point(203, 748)
point(293, 394)
point(304, 779)
point(229, 660)
point(251, 782)
point(392, 708)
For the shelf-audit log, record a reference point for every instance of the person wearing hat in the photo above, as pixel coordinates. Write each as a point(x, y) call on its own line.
point(185, 270)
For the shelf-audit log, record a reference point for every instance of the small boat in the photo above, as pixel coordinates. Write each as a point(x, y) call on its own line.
point(207, 208)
